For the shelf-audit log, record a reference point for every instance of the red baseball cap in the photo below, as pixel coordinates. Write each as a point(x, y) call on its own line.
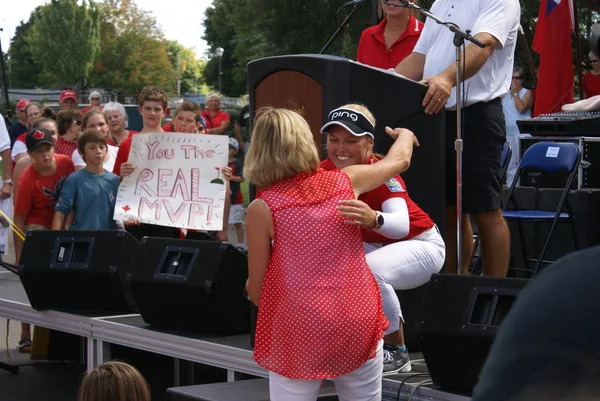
point(68, 94)
point(21, 104)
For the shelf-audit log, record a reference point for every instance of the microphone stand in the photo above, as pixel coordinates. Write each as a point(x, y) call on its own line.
point(459, 41)
point(355, 8)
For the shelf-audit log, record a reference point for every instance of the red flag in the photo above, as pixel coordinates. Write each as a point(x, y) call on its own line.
point(552, 41)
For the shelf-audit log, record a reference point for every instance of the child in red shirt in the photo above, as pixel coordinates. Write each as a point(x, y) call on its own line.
point(39, 187)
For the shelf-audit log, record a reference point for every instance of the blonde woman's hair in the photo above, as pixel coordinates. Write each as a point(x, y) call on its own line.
point(361, 109)
point(114, 381)
point(282, 146)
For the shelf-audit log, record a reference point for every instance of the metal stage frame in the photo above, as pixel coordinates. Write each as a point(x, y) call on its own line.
point(232, 353)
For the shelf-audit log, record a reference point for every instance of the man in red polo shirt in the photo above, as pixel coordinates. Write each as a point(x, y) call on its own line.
point(388, 43)
point(68, 100)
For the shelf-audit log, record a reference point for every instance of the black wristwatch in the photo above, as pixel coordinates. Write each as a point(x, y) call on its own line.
point(378, 220)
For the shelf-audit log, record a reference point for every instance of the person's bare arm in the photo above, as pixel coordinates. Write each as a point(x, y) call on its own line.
point(221, 129)
point(259, 232)
point(523, 104)
point(223, 235)
point(440, 86)
point(20, 156)
point(412, 66)
point(7, 165)
point(589, 104)
point(19, 221)
point(367, 177)
point(58, 221)
point(19, 168)
point(237, 132)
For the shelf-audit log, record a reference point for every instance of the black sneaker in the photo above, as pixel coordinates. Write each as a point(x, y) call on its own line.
point(395, 361)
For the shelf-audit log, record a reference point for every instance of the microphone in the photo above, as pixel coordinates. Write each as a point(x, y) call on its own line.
point(353, 3)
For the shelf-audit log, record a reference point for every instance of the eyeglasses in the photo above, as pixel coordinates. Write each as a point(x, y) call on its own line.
point(77, 122)
point(593, 61)
point(95, 98)
point(21, 111)
point(517, 77)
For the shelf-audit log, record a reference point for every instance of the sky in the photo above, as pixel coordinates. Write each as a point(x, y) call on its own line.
point(180, 20)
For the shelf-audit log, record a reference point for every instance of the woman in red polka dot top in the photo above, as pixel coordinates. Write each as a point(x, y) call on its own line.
point(320, 313)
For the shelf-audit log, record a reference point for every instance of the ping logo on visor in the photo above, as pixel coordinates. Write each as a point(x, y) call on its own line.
point(353, 121)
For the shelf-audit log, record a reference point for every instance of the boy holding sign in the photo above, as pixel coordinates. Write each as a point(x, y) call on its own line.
point(189, 121)
point(153, 102)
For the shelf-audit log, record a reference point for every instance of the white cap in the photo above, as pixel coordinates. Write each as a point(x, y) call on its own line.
point(234, 143)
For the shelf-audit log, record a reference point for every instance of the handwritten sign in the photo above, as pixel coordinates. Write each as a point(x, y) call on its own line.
point(177, 182)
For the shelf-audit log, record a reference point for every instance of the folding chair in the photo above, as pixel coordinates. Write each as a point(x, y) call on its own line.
point(546, 157)
point(504, 163)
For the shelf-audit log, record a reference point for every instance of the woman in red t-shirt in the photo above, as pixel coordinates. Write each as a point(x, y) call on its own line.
point(217, 121)
point(385, 45)
point(319, 310)
point(591, 79)
point(403, 245)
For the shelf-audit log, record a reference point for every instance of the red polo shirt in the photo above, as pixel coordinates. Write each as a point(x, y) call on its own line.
point(216, 121)
point(591, 85)
point(372, 49)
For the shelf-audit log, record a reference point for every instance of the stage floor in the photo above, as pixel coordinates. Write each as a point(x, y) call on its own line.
point(232, 353)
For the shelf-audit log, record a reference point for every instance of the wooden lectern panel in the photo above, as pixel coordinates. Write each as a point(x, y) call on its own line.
point(293, 91)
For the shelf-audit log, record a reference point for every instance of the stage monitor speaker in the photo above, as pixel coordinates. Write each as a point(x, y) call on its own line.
point(191, 285)
point(458, 323)
point(77, 270)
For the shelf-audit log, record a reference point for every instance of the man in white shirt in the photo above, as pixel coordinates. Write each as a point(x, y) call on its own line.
point(7, 165)
point(487, 74)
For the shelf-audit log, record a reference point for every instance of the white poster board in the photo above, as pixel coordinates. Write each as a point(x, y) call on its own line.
point(177, 181)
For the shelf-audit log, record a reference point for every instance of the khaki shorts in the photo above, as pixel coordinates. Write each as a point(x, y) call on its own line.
point(236, 214)
point(35, 227)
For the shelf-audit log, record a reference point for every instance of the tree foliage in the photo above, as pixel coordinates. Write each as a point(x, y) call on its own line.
point(251, 29)
point(25, 72)
point(133, 52)
point(190, 68)
point(58, 41)
point(65, 38)
point(123, 50)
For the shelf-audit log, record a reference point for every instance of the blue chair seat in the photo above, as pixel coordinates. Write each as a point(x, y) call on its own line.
point(532, 215)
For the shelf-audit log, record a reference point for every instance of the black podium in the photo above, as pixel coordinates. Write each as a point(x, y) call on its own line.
point(313, 85)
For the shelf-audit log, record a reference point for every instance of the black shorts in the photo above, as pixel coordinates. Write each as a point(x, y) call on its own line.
point(484, 134)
